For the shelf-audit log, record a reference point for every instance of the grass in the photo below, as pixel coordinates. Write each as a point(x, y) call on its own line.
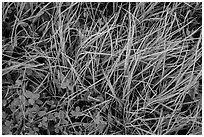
point(102, 68)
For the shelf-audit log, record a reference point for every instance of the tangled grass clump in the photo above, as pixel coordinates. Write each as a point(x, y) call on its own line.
point(101, 68)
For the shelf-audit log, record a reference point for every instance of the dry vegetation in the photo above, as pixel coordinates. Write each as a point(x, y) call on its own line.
point(101, 68)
